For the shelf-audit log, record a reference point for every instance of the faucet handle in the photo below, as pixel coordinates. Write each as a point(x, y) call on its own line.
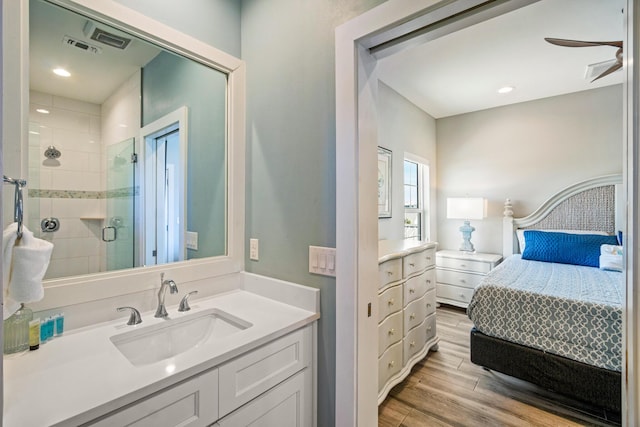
point(134, 318)
point(184, 303)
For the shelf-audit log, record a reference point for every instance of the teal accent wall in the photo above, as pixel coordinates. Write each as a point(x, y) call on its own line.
point(169, 82)
point(216, 22)
point(288, 46)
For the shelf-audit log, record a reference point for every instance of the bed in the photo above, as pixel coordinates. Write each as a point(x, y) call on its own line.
point(550, 315)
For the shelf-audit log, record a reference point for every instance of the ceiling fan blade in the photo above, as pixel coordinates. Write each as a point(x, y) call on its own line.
point(608, 71)
point(582, 43)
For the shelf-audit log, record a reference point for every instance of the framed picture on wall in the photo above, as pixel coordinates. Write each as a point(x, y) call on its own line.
point(384, 183)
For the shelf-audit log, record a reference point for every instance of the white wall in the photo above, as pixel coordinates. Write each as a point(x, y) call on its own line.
point(526, 152)
point(404, 128)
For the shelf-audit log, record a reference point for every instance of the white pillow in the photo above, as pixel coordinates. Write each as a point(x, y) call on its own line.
point(520, 234)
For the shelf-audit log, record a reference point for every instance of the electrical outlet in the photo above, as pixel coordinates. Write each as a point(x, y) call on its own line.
point(192, 240)
point(253, 250)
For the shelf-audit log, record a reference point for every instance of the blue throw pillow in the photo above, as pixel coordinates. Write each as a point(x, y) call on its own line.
point(565, 248)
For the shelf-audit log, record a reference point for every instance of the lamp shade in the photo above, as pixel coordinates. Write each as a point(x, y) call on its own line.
point(465, 208)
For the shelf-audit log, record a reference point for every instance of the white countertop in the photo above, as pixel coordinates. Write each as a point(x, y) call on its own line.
point(388, 249)
point(81, 375)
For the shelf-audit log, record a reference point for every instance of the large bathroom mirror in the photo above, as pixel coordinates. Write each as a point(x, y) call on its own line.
point(127, 148)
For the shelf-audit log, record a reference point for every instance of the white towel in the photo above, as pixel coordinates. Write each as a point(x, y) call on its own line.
point(27, 266)
point(9, 236)
point(611, 262)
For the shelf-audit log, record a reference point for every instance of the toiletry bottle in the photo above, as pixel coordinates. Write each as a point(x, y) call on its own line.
point(16, 330)
point(34, 334)
point(59, 324)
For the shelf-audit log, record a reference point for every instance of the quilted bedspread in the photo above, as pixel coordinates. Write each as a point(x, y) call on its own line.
point(572, 311)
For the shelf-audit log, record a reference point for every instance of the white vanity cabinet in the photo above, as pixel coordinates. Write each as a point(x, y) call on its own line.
point(406, 309)
point(271, 385)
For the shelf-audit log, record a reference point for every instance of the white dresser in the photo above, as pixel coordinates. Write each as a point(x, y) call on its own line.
point(406, 309)
point(458, 273)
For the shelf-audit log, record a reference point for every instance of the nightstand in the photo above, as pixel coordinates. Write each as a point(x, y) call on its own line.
point(458, 273)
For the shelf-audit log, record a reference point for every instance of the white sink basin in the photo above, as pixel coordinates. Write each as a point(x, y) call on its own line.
point(167, 339)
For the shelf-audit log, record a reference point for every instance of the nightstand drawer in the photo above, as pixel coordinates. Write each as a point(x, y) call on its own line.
point(454, 293)
point(466, 280)
point(464, 264)
point(418, 261)
point(389, 271)
point(389, 332)
point(389, 302)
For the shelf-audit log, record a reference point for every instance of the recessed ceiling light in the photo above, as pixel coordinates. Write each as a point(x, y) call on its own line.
point(61, 72)
point(42, 111)
point(506, 89)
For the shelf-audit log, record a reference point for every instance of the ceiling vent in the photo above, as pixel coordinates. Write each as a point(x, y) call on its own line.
point(109, 38)
point(89, 48)
point(594, 70)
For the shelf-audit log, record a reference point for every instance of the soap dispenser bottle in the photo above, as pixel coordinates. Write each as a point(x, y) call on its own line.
point(16, 330)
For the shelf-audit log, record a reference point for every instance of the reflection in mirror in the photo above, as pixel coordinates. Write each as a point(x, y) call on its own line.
point(125, 195)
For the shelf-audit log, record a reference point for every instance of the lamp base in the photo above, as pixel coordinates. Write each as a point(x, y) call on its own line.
point(466, 231)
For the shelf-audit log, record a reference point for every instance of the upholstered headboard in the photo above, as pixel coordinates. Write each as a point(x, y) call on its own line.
point(592, 205)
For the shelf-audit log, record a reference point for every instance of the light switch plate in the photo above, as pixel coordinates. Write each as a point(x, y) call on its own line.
point(254, 250)
point(322, 261)
point(192, 240)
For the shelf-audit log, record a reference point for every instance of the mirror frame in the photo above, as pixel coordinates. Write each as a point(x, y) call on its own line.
point(86, 288)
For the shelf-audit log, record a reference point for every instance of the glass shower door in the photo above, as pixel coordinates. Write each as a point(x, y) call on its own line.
point(121, 194)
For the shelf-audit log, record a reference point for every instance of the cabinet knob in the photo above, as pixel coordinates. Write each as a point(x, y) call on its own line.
point(389, 273)
point(429, 329)
point(411, 290)
point(428, 258)
point(463, 265)
point(412, 344)
point(428, 281)
point(412, 316)
point(411, 264)
point(392, 331)
point(392, 364)
point(463, 281)
point(461, 295)
point(428, 305)
point(391, 301)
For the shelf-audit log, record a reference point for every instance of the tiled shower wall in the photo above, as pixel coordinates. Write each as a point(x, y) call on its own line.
point(69, 187)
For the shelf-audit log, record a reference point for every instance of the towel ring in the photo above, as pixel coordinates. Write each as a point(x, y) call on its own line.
point(18, 204)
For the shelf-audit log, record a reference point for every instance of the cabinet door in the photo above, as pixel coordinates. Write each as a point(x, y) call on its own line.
point(193, 403)
point(249, 375)
point(289, 404)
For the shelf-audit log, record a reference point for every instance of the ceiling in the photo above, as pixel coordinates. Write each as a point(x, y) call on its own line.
point(462, 71)
point(94, 77)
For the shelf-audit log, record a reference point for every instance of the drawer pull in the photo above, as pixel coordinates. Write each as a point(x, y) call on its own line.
point(391, 301)
point(428, 258)
point(389, 273)
point(391, 331)
point(428, 305)
point(429, 329)
point(461, 295)
point(463, 281)
point(428, 281)
point(412, 316)
point(412, 344)
point(392, 364)
point(411, 264)
point(412, 291)
point(463, 265)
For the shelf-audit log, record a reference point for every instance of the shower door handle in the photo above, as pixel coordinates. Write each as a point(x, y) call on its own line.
point(109, 234)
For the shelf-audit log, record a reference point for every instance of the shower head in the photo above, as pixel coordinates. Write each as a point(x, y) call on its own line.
point(52, 152)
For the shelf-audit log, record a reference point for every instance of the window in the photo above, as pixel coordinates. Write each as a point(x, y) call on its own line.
point(415, 177)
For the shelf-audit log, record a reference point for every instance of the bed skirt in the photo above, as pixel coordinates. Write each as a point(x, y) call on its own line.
point(597, 386)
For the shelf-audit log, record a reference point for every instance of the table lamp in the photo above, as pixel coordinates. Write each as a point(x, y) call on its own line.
point(466, 208)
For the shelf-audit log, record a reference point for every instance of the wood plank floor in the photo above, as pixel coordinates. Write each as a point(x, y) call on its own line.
point(446, 389)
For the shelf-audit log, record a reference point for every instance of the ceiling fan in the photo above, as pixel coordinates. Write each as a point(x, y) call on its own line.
point(579, 43)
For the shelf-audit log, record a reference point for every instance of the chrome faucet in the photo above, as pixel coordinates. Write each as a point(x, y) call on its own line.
point(161, 311)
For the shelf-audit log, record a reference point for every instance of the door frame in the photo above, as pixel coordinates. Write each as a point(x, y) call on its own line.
point(356, 218)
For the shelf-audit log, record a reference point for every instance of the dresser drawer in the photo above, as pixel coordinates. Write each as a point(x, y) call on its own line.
point(414, 314)
point(389, 302)
point(430, 302)
point(414, 341)
point(454, 293)
point(389, 271)
point(430, 328)
point(416, 262)
point(458, 278)
point(416, 286)
point(389, 332)
point(389, 364)
point(464, 264)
